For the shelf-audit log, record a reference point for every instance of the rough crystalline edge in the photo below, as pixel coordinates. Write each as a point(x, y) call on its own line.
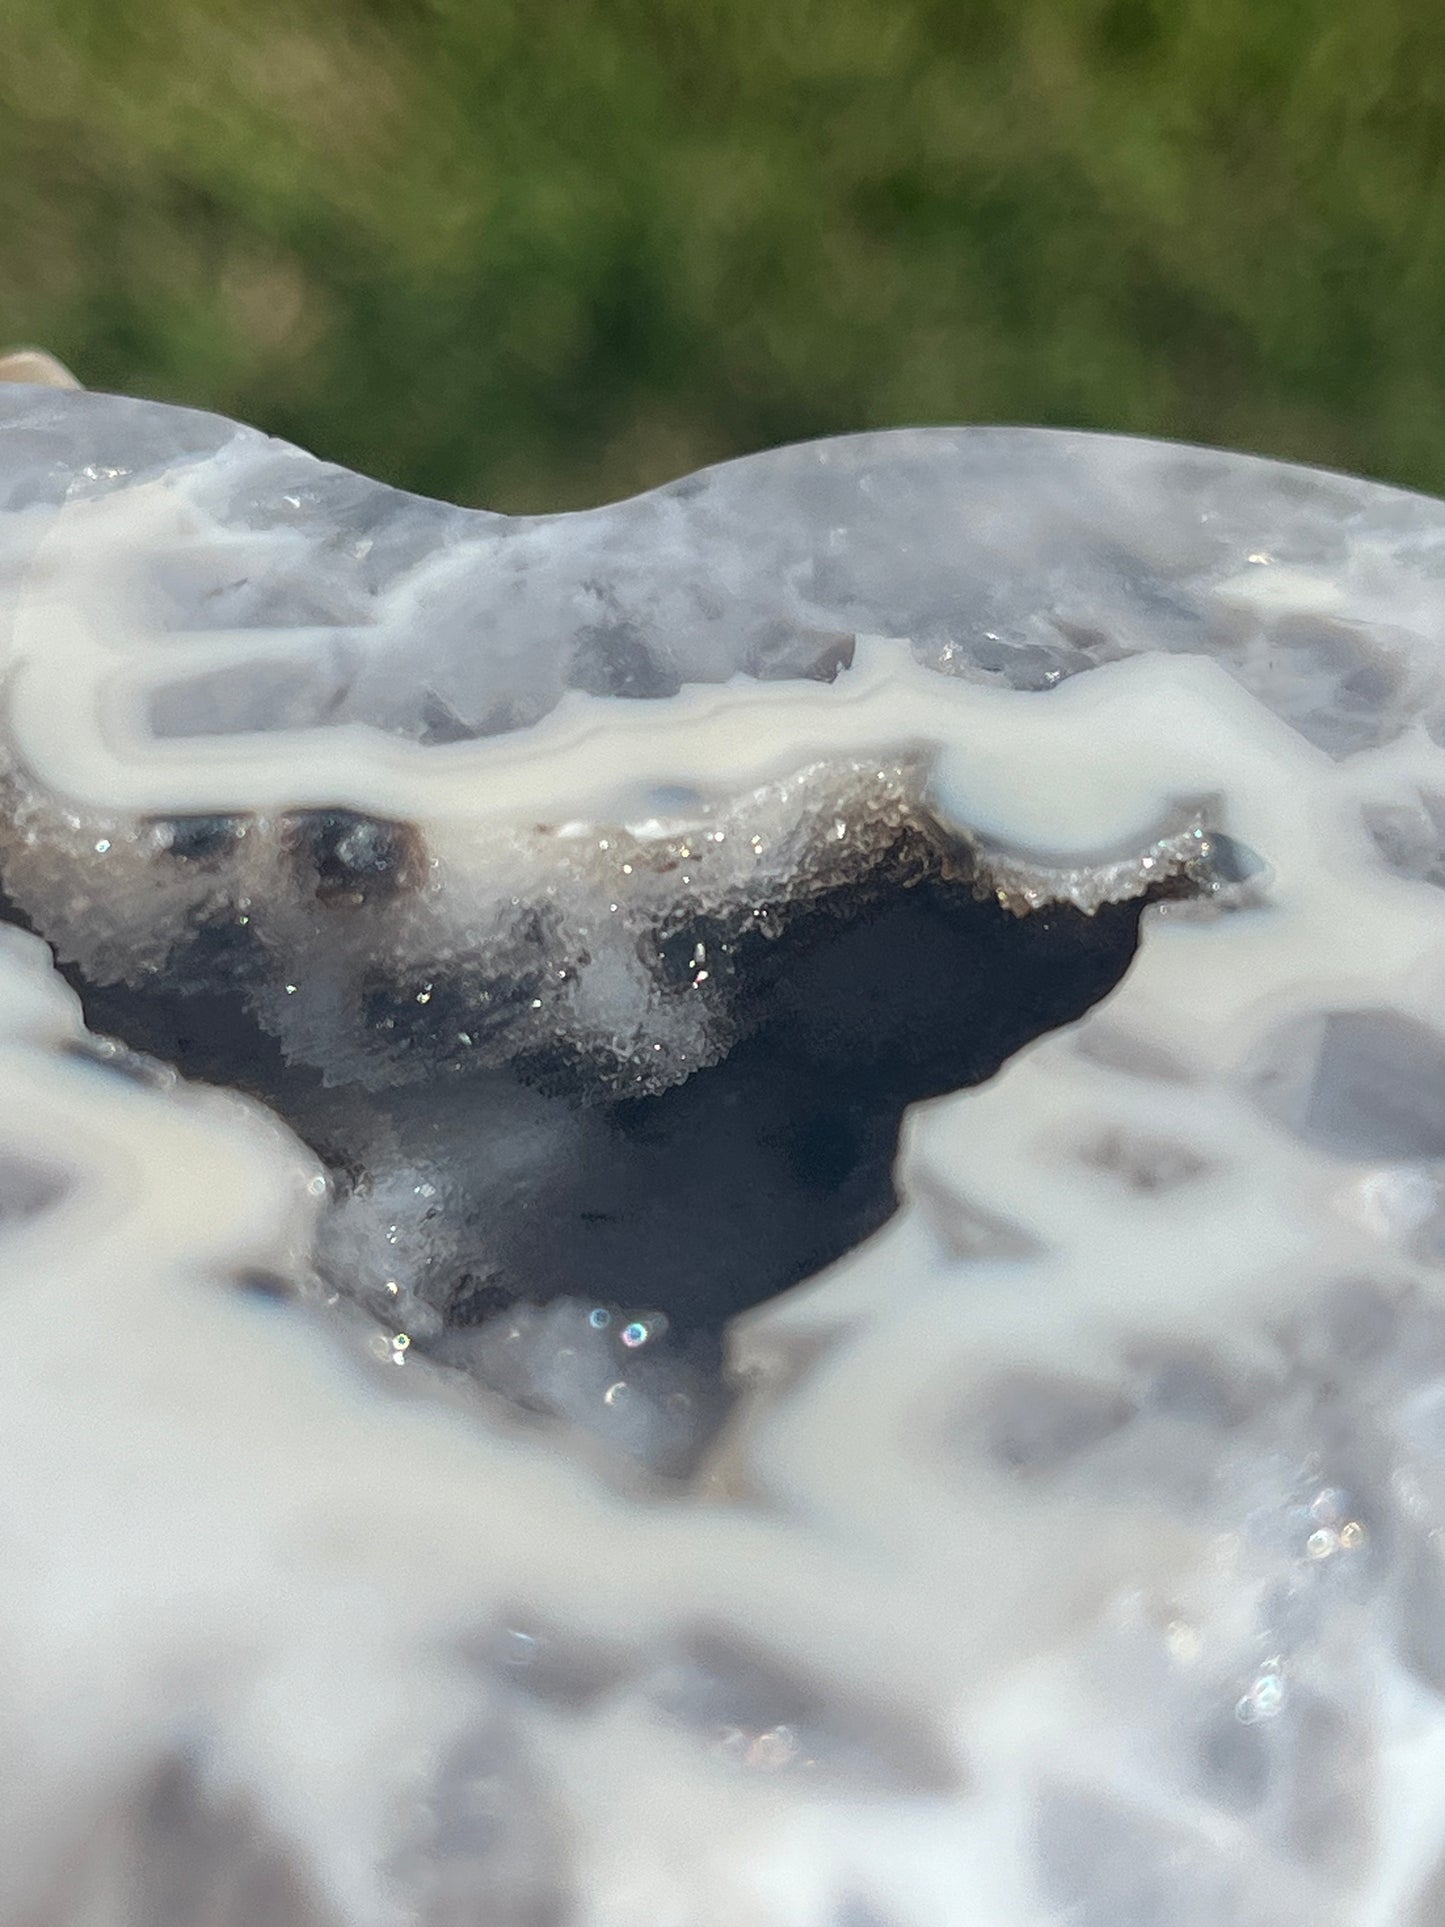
point(1090, 1552)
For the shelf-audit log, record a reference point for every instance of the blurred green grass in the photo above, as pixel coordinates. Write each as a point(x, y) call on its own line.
point(536, 253)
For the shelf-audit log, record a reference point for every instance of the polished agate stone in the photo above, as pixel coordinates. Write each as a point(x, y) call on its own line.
point(727, 1212)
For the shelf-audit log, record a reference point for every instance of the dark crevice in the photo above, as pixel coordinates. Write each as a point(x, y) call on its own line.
point(760, 1171)
point(728, 1188)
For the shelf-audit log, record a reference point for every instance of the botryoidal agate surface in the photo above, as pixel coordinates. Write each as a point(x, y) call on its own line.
point(481, 1444)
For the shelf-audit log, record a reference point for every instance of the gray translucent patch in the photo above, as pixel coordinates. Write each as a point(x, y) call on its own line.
point(1035, 1423)
point(483, 1844)
point(37, 472)
point(1189, 1385)
point(761, 1715)
point(1235, 1760)
point(242, 698)
point(965, 1232)
point(1411, 837)
point(1328, 1812)
point(1107, 1866)
point(1353, 1323)
point(28, 1188)
point(228, 582)
point(1104, 1043)
point(1337, 683)
point(1365, 1084)
point(173, 1854)
point(1429, 1908)
point(853, 1911)
point(612, 657)
point(545, 1663)
point(1143, 1163)
point(1422, 1606)
point(1302, 1778)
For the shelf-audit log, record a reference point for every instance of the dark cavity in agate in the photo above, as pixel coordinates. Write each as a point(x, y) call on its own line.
point(724, 1190)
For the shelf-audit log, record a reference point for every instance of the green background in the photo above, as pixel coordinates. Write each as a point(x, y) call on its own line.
point(535, 253)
